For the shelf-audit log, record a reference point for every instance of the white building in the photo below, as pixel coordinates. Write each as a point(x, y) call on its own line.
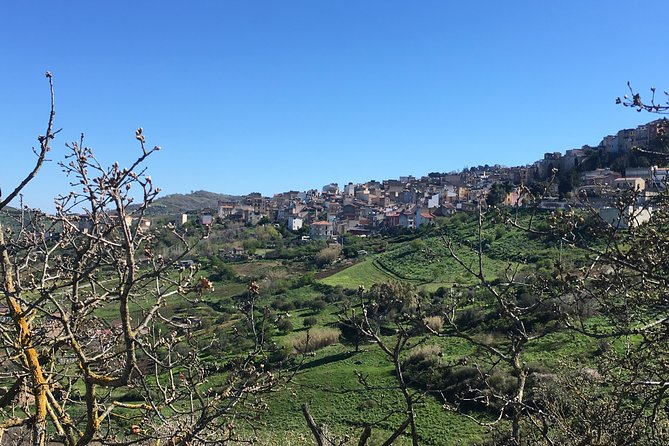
point(434, 201)
point(295, 223)
point(630, 216)
point(181, 219)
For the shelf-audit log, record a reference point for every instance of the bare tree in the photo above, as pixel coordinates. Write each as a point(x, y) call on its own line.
point(652, 104)
point(499, 375)
point(89, 355)
point(387, 316)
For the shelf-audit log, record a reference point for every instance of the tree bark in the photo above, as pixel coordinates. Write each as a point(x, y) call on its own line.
point(24, 340)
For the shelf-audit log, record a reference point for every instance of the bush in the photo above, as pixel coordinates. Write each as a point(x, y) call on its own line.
point(317, 305)
point(284, 325)
point(315, 339)
point(279, 355)
point(326, 256)
point(424, 352)
point(310, 321)
point(131, 395)
point(462, 385)
point(441, 291)
point(282, 305)
point(350, 331)
point(418, 245)
point(336, 296)
point(434, 323)
point(221, 271)
point(323, 287)
point(470, 317)
point(367, 405)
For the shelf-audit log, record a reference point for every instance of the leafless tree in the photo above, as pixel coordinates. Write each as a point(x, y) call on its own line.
point(87, 354)
point(652, 104)
point(617, 298)
point(389, 318)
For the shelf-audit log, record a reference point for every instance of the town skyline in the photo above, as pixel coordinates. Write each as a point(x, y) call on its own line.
point(623, 141)
point(591, 177)
point(264, 97)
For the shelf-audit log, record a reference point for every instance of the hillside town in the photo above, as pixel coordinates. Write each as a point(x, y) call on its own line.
point(409, 202)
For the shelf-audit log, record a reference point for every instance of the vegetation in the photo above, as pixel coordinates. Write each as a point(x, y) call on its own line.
point(521, 327)
point(89, 355)
point(315, 339)
point(183, 203)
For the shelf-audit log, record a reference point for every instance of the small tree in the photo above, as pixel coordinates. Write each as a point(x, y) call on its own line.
point(284, 325)
point(310, 321)
point(326, 256)
point(88, 340)
point(390, 307)
point(351, 333)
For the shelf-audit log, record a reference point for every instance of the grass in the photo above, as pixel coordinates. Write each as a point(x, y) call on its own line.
point(427, 261)
point(364, 273)
point(329, 377)
point(328, 383)
point(315, 339)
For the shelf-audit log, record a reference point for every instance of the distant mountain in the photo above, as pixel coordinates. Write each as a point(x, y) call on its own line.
point(182, 203)
point(10, 217)
point(10, 210)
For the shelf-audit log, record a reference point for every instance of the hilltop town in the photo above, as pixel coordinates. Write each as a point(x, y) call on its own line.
point(578, 177)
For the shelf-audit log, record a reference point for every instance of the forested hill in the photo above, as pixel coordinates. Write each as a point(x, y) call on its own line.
point(179, 203)
point(9, 217)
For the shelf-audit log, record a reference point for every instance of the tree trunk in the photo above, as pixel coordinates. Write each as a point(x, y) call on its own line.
point(30, 355)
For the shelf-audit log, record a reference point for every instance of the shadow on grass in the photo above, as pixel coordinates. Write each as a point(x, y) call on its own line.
point(327, 360)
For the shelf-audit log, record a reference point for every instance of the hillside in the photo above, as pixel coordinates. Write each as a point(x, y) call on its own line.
point(10, 217)
point(182, 203)
point(302, 304)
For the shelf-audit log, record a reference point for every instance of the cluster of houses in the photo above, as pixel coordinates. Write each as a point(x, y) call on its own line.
point(358, 209)
point(601, 185)
point(410, 202)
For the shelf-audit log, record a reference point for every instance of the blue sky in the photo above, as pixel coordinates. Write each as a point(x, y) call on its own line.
point(269, 96)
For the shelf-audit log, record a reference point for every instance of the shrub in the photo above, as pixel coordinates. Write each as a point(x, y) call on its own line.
point(315, 339)
point(470, 317)
point(603, 346)
point(323, 287)
point(326, 256)
point(418, 245)
point(222, 271)
point(317, 305)
point(279, 355)
point(131, 395)
point(423, 352)
point(441, 291)
point(282, 305)
point(434, 323)
point(351, 333)
point(367, 405)
point(310, 321)
point(335, 297)
point(300, 302)
point(284, 325)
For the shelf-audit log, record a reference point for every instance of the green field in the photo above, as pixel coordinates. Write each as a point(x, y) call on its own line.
point(328, 383)
point(329, 379)
point(364, 273)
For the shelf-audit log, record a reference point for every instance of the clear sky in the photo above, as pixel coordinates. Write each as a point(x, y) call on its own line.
point(276, 95)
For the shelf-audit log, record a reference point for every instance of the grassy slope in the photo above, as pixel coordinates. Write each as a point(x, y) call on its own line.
point(364, 273)
point(431, 266)
point(328, 380)
point(427, 261)
point(328, 383)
